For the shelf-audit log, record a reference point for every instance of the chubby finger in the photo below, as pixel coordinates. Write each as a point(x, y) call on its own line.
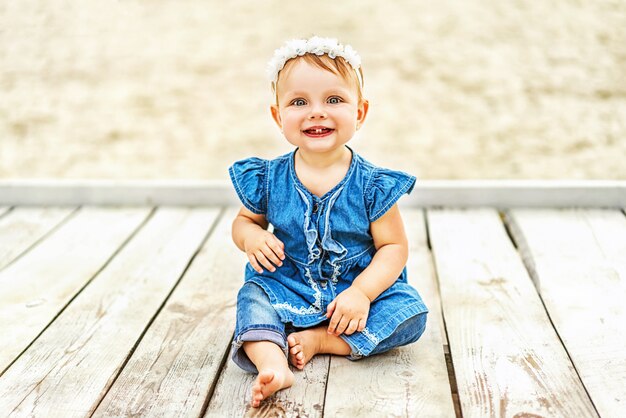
point(254, 263)
point(278, 248)
point(343, 324)
point(279, 242)
point(352, 326)
point(264, 261)
point(269, 254)
point(362, 323)
point(334, 321)
point(330, 309)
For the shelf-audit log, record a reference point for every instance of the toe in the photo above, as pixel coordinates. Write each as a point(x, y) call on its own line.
point(292, 340)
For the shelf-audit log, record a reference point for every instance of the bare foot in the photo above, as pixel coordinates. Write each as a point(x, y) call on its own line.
point(268, 382)
point(303, 345)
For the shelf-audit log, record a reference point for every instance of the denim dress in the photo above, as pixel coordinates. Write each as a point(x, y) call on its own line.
point(327, 242)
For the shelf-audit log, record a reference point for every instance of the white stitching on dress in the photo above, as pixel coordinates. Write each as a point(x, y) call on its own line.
point(313, 309)
point(370, 336)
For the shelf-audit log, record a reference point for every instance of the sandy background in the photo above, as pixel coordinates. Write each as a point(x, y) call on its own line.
point(177, 89)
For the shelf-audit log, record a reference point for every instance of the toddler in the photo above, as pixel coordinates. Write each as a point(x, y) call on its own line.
point(331, 278)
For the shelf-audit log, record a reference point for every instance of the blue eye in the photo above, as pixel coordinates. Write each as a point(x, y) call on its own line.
point(334, 100)
point(299, 102)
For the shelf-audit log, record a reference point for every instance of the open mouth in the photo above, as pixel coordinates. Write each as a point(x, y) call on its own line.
point(318, 132)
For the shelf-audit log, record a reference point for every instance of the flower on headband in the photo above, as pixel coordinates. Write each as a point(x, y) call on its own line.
point(298, 46)
point(321, 46)
point(352, 57)
point(315, 45)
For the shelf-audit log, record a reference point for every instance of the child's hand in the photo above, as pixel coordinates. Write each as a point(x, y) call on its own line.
point(264, 248)
point(348, 312)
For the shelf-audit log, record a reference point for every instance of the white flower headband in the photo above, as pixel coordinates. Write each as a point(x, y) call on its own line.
point(314, 45)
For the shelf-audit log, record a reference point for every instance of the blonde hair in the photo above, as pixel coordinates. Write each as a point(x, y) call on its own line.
point(336, 65)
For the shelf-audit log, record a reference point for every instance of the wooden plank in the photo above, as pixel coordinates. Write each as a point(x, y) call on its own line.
point(508, 359)
point(70, 366)
point(407, 381)
point(23, 227)
point(39, 285)
point(178, 360)
point(427, 193)
point(421, 269)
point(578, 259)
point(305, 398)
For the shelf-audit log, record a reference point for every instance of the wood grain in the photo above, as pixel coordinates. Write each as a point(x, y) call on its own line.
point(68, 369)
point(578, 260)
point(507, 357)
point(173, 368)
point(407, 381)
point(37, 286)
point(23, 227)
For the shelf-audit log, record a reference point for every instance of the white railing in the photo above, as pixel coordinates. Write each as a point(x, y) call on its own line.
point(427, 193)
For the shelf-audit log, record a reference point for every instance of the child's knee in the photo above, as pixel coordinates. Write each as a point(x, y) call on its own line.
point(253, 305)
point(418, 326)
point(411, 330)
point(252, 293)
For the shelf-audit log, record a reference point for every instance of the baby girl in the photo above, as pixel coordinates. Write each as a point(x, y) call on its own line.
point(331, 277)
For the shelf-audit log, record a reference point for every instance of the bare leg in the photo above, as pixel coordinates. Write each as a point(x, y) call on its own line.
point(274, 373)
point(303, 345)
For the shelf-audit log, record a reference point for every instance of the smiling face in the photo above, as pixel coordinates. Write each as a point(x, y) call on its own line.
point(318, 110)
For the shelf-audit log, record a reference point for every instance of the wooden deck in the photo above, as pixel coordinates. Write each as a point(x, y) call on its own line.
point(130, 311)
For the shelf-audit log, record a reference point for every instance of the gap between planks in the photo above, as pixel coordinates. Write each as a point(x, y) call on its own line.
point(208, 235)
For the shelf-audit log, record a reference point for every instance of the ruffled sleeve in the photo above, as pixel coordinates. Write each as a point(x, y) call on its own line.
point(249, 178)
point(385, 188)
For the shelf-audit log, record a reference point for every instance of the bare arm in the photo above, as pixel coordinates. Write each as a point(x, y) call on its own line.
point(245, 223)
point(250, 235)
point(392, 253)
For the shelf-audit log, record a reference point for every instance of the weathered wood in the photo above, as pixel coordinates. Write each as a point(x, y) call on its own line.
point(578, 260)
point(38, 285)
point(171, 371)
point(305, 398)
point(23, 227)
point(421, 269)
point(427, 193)
point(68, 369)
point(408, 381)
point(507, 357)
